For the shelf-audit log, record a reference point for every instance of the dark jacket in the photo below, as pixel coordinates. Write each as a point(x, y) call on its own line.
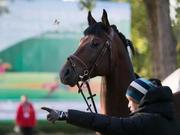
point(155, 116)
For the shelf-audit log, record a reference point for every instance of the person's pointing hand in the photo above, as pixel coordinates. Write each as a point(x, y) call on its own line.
point(55, 115)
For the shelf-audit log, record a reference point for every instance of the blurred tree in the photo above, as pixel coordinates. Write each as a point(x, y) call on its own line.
point(153, 38)
point(139, 38)
point(141, 32)
point(161, 38)
point(87, 4)
point(176, 26)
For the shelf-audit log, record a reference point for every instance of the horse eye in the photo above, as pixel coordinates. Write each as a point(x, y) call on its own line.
point(94, 44)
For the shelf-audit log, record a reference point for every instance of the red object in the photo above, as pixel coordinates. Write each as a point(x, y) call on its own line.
point(2, 69)
point(25, 115)
point(51, 86)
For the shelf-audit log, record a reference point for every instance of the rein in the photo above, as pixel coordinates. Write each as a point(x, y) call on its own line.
point(87, 72)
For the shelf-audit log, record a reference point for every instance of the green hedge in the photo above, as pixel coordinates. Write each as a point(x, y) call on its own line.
point(6, 127)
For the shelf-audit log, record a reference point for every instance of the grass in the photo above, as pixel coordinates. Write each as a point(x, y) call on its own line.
point(45, 127)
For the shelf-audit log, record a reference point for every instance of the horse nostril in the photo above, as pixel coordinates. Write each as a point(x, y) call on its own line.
point(67, 72)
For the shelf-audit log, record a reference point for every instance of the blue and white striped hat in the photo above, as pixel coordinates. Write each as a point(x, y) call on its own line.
point(138, 88)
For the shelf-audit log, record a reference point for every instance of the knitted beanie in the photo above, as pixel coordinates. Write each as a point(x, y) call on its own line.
point(138, 88)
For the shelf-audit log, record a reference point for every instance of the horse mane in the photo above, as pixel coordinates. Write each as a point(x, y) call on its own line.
point(126, 41)
point(99, 28)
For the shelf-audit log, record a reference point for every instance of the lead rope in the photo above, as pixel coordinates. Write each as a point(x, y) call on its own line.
point(91, 96)
point(84, 97)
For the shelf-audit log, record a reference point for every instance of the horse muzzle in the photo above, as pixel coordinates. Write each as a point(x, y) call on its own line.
point(68, 76)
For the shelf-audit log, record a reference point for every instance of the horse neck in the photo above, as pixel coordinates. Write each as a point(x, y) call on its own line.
point(120, 77)
point(113, 100)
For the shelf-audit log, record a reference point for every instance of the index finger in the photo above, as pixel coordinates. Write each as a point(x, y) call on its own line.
point(46, 109)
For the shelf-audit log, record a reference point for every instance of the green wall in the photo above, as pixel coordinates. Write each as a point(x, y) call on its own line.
point(43, 53)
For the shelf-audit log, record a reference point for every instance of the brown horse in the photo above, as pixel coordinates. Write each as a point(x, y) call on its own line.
point(102, 52)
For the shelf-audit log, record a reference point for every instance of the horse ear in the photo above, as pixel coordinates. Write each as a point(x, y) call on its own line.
point(105, 18)
point(91, 20)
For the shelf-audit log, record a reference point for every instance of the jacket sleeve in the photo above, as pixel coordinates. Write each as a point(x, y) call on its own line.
point(105, 124)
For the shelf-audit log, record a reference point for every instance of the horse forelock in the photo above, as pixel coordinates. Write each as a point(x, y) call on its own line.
point(97, 29)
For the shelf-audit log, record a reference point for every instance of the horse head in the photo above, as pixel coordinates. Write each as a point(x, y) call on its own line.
point(95, 53)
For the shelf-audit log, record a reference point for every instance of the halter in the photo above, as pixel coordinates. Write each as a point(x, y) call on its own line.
point(87, 71)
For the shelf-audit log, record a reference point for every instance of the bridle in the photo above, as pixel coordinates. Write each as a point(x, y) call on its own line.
point(87, 71)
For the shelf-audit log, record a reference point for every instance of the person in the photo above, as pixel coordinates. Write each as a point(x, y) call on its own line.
point(25, 116)
point(151, 107)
